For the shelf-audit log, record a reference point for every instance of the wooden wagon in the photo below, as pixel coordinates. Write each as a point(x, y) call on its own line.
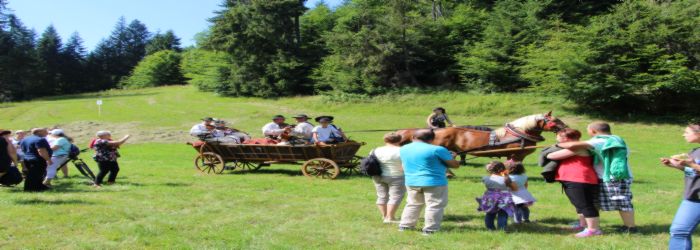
point(326, 161)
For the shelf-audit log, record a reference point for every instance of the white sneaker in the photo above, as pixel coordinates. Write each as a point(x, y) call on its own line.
point(390, 221)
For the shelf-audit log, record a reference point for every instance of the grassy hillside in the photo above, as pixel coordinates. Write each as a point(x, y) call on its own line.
point(161, 202)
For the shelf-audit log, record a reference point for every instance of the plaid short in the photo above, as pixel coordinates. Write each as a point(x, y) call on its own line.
point(615, 196)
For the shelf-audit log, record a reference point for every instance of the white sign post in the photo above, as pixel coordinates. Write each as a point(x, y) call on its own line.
point(99, 107)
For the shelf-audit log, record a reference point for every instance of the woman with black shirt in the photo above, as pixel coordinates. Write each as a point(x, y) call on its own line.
point(688, 214)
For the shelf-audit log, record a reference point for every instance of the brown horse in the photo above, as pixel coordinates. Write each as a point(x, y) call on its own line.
point(522, 132)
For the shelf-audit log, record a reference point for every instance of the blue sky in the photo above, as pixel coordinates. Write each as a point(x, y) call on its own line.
point(95, 19)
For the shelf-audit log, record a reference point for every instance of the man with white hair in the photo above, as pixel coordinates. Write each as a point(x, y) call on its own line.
point(106, 155)
point(37, 156)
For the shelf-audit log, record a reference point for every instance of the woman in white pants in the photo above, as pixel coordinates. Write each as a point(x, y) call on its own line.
point(390, 186)
point(61, 148)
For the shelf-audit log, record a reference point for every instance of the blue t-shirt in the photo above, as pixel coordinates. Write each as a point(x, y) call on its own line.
point(424, 164)
point(63, 147)
point(30, 145)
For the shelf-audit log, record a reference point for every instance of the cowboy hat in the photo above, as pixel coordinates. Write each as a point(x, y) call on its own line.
point(301, 116)
point(324, 117)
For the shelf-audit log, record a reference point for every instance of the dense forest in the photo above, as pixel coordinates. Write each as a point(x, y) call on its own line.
point(639, 56)
point(46, 65)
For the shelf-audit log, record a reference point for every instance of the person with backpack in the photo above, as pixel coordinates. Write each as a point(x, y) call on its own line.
point(614, 173)
point(390, 182)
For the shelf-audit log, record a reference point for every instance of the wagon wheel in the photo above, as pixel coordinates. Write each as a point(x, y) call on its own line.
point(320, 167)
point(209, 163)
point(204, 148)
point(248, 166)
point(351, 167)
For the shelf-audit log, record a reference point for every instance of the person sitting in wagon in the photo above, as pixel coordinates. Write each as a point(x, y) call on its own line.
point(226, 134)
point(303, 130)
point(327, 133)
point(204, 129)
point(277, 129)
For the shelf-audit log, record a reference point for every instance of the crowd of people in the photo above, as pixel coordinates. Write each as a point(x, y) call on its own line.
point(278, 131)
point(594, 174)
point(39, 154)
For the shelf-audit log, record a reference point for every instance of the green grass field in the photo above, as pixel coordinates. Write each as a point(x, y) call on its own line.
point(160, 201)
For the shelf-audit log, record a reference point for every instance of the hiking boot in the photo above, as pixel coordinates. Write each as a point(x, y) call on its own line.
point(402, 229)
point(588, 233)
point(428, 233)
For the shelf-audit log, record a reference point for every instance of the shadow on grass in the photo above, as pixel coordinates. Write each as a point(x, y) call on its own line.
point(538, 228)
point(461, 217)
point(652, 229)
point(53, 202)
point(556, 221)
point(563, 223)
point(267, 171)
point(176, 184)
point(66, 187)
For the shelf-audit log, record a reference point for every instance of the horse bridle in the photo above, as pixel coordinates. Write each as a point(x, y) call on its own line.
point(549, 124)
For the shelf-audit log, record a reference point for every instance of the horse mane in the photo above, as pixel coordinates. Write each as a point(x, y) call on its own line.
point(527, 122)
point(523, 124)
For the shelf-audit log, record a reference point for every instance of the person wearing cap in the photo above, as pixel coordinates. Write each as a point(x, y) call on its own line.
point(326, 133)
point(303, 129)
point(106, 155)
point(202, 129)
point(8, 154)
point(37, 156)
point(61, 148)
point(276, 128)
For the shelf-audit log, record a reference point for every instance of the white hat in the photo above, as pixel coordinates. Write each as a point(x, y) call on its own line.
point(56, 132)
point(103, 133)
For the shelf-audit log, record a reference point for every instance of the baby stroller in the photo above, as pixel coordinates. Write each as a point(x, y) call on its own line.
point(79, 163)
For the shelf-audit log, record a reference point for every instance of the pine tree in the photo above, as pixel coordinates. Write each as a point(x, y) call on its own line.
point(263, 41)
point(49, 63)
point(137, 36)
point(73, 65)
point(115, 57)
point(165, 41)
point(21, 60)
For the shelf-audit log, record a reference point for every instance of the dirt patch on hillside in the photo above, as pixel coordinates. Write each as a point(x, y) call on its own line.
point(84, 131)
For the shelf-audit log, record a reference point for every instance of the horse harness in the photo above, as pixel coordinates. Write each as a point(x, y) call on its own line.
point(520, 136)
